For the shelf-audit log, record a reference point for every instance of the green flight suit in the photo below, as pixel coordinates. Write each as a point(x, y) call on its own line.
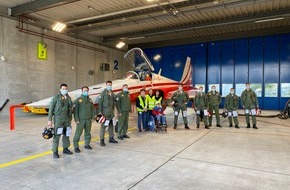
point(214, 100)
point(249, 102)
point(60, 111)
point(200, 106)
point(83, 114)
point(123, 107)
point(232, 104)
point(106, 107)
point(181, 98)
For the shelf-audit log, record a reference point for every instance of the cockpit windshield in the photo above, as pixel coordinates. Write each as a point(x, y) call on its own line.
point(130, 75)
point(137, 58)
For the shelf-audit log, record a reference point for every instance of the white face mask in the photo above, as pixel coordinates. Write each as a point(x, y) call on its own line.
point(248, 87)
point(180, 88)
point(213, 89)
point(232, 92)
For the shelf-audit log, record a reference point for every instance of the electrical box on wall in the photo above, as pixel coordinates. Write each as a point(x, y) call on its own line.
point(105, 67)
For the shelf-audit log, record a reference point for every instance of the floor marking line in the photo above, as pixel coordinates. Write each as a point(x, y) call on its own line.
point(35, 156)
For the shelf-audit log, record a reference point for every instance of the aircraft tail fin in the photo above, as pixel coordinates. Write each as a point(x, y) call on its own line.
point(187, 73)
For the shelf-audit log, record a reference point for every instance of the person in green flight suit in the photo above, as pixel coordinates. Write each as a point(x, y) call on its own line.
point(201, 106)
point(123, 108)
point(231, 106)
point(83, 114)
point(180, 99)
point(106, 107)
point(250, 103)
point(214, 100)
point(60, 112)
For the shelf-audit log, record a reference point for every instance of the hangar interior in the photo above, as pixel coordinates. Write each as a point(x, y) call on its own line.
point(230, 42)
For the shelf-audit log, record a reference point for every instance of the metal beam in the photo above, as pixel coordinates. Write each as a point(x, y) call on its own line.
point(195, 26)
point(214, 37)
point(38, 5)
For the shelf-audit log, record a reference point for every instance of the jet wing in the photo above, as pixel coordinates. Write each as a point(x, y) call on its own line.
point(138, 59)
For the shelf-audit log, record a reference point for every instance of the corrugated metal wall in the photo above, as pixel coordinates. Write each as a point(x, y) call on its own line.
point(262, 61)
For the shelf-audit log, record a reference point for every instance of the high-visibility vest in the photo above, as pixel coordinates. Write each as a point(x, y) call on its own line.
point(159, 100)
point(150, 102)
point(142, 103)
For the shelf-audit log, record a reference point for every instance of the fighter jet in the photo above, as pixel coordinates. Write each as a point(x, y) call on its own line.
point(142, 77)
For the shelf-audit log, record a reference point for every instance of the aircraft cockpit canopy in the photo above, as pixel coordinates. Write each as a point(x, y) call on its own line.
point(137, 58)
point(131, 75)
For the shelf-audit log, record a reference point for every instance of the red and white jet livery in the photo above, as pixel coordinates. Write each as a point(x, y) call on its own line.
point(141, 78)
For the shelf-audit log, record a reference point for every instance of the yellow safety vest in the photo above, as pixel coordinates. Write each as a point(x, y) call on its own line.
point(159, 100)
point(141, 103)
point(150, 102)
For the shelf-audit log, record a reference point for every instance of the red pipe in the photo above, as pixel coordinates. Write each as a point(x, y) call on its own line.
point(12, 115)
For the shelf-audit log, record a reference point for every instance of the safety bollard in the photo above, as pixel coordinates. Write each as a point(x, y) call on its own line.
point(12, 115)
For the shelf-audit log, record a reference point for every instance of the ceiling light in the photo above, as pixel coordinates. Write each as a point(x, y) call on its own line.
point(157, 57)
point(137, 37)
point(58, 27)
point(120, 45)
point(270, 19)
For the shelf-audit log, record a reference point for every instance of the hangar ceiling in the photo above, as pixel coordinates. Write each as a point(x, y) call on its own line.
point(151, 23)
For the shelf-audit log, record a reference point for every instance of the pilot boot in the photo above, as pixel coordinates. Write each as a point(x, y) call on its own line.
point(67, 151)
point(55, 155)
point(255, 126)
point(102, 142)
point(186, 126)
point(248, 125)
point(112, 140)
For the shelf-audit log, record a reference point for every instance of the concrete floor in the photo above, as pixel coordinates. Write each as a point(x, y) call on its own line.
point(219, 158)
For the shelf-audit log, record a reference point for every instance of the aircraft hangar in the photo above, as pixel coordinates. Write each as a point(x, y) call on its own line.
point(221, 43)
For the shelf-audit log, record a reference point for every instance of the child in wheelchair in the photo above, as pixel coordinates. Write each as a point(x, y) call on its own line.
point(159, 116)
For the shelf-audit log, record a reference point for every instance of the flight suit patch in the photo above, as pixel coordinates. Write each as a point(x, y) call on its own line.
point(80, 100)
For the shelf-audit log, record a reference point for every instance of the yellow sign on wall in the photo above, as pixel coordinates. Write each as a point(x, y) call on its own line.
point(41, 51)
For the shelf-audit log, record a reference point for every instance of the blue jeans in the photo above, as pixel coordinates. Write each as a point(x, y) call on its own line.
point(142, 119)
point(161, 119)
point(148, 114)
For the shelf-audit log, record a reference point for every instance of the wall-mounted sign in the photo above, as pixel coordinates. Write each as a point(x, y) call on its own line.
point(42, 51)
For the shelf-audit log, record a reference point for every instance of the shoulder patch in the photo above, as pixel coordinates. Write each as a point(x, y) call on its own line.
point(62, 98)
point(80, 100)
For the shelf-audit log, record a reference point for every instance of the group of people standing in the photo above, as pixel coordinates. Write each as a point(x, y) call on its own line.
point(62, 108)
point(207, 104)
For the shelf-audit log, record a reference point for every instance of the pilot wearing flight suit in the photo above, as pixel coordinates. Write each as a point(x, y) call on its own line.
point(181, 99)
point(106, 107)
point(214, 99)
point(123, 107)
point(83, 114)
point(201, 106)
point(60, 112)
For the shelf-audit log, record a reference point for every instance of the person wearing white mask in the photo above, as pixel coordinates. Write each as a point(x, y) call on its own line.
point(60, 112)
point(180, 99)
point(106, 106)
point(214, 100)
point(83, 115)
point(250, 103)
point(124, 107)
point(201, 107)
point(231, 106)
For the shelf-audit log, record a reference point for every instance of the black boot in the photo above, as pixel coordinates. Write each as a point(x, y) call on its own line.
point(77, 150)
point(207, 127)
point(55, 155)
point(255, 127)
point(236, 126)
point(218, 125)
point(112, 140)
point(67, 151)
point(88, 147)
point(248, 125)
point(102, 142)
point(174, 127)
point(197, 126)
point(186, 126)
point(120, 137)
point(231, 125)
point(126, 136)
